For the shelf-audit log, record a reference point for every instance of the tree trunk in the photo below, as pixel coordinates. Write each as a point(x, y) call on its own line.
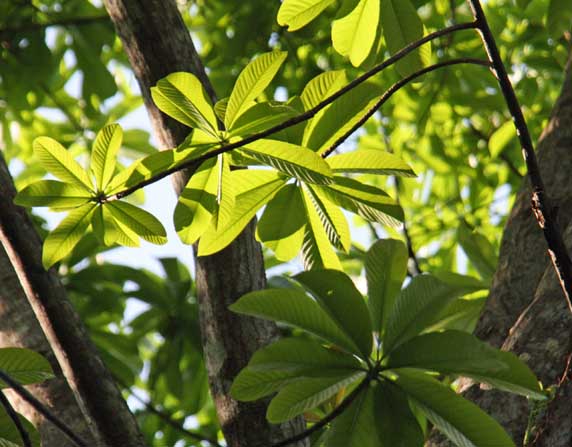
point(157, 43)
point(526, 312)
point(94, 389)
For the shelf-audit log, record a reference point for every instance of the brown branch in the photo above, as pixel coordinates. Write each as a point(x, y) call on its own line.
point(16, 420)
point(71, 21)
point(541, 206)
point(299, 118)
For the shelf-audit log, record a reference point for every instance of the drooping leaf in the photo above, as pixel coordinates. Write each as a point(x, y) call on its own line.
point(251, 82)
point(139, 221)
point(296, 161)
point(385, 268)
point(459, 353)
point(104, 154)
point(460, 420)
point(54, 194)
point(370, 161)
point(304, 394)
point(286, 360)
point(24, 365)
point(298, 13)
point(296, 308)
point(281, 227)
point(338, 296)
point(353, 35)
point(182, 96)
point(67, 234)
point(58, 161)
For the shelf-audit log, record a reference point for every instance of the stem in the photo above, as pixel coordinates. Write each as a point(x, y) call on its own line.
point(40, 408)
point(299, 118)
point(327, 419)
point(540, 201)
point(17, 422)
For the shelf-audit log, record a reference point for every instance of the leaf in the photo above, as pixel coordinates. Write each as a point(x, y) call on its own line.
point(220, 108)
point(225, 198)
point(366, 201)
point(460, 420)
point(24, 365)
point(286, 360)
point(104, 226)
point(67, 234)
point(417, 306)
point(298, 13)
point(53, 194)
point(304, 394)
point(479, 250)
point(559, 18)
point(182, 96)
point(370, 161)
point(253, 190)
point(59, 162)
point(262, 116)
point(337, 295)
point(251, 82)
point(353, 35)
point(104, 154)
point(141, 222)
point(9, 434)
point(293, 307)
point(332, 218)
point(501, 138)
point(322, 86)
point(197, 203)
point(317, 251)
point(281, 227)
point(401, 25)
point(459, 353)
point(385, 269)
point(296, 161)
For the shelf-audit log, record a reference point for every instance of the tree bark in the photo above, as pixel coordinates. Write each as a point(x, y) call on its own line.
point(157, 43)
point(95, 391)
point(526, 311)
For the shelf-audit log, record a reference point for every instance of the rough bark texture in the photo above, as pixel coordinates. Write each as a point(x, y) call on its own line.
point(95, 391)
point(526, 312)
point(157, 43)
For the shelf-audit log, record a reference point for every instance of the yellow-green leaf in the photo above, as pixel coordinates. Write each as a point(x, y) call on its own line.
point(104, 154)
point(53, 194)
point(139, 221)
point(297, 13)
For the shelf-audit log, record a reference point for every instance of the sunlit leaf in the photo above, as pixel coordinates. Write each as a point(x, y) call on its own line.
point(54, 194)
point(104, 154)
point(139, 221)
point(297, 13)
point(370, 161)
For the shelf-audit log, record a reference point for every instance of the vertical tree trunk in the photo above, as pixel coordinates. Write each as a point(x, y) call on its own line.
point(157, 43)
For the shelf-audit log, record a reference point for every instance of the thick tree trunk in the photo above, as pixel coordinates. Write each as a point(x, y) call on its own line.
point(94, 389)
point(526, 312)
point(157, 43)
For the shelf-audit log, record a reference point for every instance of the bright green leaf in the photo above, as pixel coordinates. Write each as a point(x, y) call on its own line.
point(24, 365)
point(262, 116)
point(370, 161)
point(53, 194)
point(321, 87)
point(139, 221)
point(104, 154)
point(298, 13)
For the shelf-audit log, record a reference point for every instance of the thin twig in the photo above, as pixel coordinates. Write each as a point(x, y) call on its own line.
point(70, 21)
point(327, 419)
point(15, 418)
point(299, 118)
point(41, 408)
point(540, 201)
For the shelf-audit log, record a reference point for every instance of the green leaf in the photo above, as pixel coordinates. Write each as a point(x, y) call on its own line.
point(251, 82)
point(370, 161)
point(296, 161)
point(286, 360)
point(253, 189)
point(321, 87)
point(317, 252)
point(353, 35)
point(401, 26)
point(53, 194)
point(385, 269)
point(293, 307)
point(104, 226)
point(304, 394)
point(501, 138)
point(220, 108)
point(225, 198)
point(459, 353)
point(337, 295)
point(479, 250)
point(416, 308)
point(281, 227)
point(298, 13)
point(460, 420)
point(262, 116)
point(197, 203)
point(9, 434)
point(104, 154)
point(139, 221)
point(59, 162)
point(559, 18)
point(366, 201)
point(24, 365)
point(67, 234)
point(182, 96)
point(332, 218)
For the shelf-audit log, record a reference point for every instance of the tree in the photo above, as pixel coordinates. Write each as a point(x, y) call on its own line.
point(433, 118)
